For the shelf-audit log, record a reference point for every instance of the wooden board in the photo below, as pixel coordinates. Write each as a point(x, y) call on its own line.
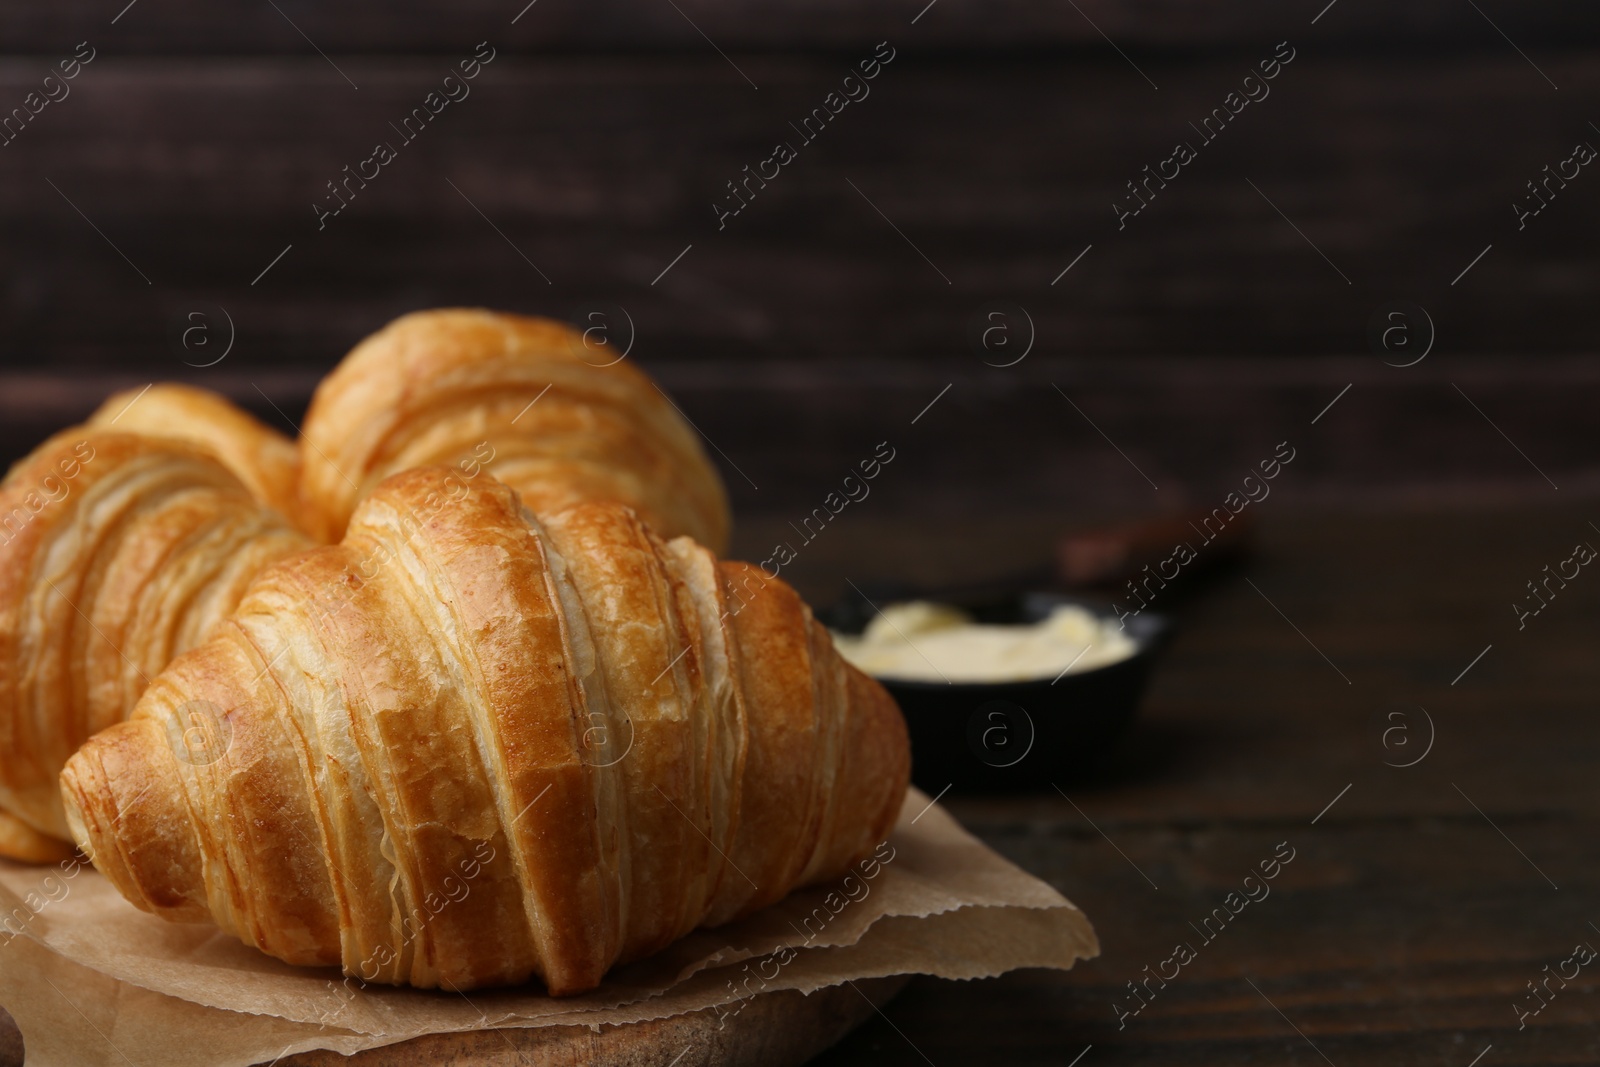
point(366, 26)
point(776, 1030)
point(602, 169)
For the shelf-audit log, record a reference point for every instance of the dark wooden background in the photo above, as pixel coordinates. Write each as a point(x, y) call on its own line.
point(808, 329)
point(1191, 342)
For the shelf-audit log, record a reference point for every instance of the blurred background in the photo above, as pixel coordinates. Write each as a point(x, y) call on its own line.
point(164, 218)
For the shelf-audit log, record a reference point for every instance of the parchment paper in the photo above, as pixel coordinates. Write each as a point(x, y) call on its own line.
point(942, 904)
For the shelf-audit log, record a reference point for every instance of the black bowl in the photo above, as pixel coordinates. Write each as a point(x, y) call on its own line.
point(999, 736)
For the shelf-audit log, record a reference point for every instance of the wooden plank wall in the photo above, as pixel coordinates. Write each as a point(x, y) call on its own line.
point(1385, 156)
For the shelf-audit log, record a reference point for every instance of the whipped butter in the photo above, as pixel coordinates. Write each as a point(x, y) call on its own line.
point(926, 642)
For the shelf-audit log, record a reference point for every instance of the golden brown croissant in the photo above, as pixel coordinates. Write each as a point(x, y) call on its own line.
point(266, 461)
point(117, 551)
point(467, 746)
point(469, 387)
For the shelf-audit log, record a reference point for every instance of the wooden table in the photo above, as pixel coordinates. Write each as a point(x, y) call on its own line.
point(1421, 900)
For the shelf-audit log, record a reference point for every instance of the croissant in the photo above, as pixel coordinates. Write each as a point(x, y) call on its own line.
point(543, 409)
point(19, 841)
point(266, 461)
point(117, 551)
point(468, 746)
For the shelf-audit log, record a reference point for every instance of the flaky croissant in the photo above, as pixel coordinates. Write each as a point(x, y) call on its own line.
point(117, 551)
point(468, 745)
point(266, 461)
point(544, 409)
point(19, 841)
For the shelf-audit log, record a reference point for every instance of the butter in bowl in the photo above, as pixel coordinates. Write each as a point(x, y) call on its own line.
point(1005, 693)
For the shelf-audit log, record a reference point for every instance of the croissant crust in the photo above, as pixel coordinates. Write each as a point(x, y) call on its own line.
point(469, 745)
point(266, 461)
point(117, 551)
point(546, 409)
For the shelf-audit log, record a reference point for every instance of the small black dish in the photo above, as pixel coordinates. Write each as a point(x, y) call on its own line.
point(1004, 736)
